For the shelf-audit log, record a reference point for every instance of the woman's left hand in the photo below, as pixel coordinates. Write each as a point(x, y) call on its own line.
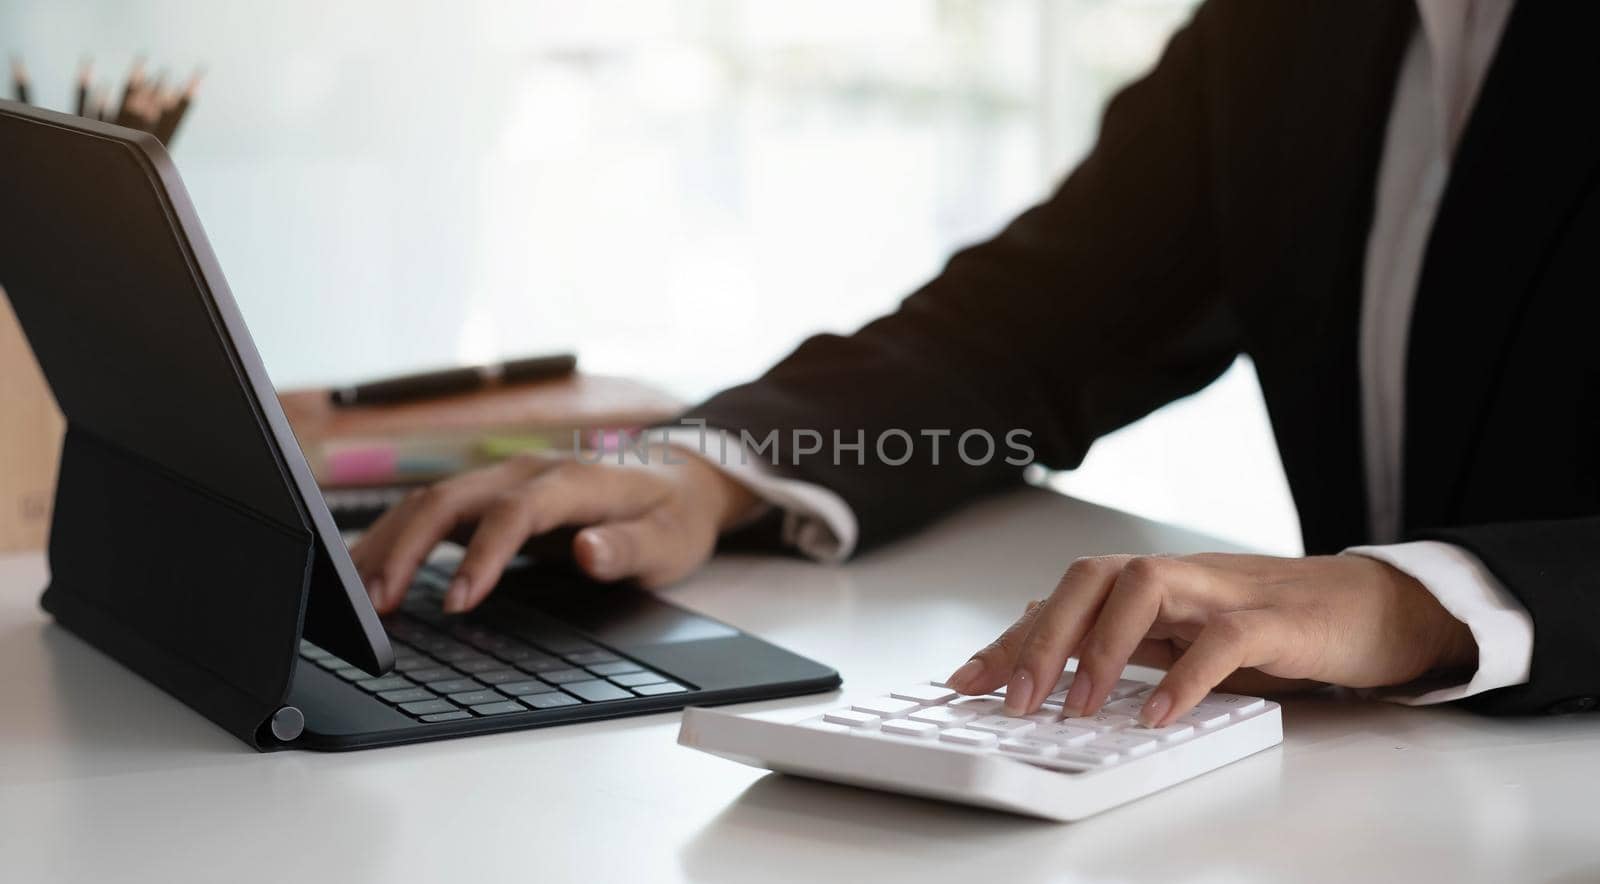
point(1256, 624)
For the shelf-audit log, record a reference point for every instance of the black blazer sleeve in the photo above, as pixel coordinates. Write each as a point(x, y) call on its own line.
point(1550, 566)
point(1085, 313)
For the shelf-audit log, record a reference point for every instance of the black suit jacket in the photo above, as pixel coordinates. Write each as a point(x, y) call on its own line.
point(1225, 210)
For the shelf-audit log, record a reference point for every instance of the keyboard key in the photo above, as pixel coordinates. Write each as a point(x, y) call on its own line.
point(474, 698)
point(1172, 733)
point(500, 708)
point(1063, 734)
point(615, 667)
point(1126, 742)
point(412, 663)
point(428, 707)
point(433, 673)
point(943, 716)
point(550, 700)
point(332, 663)
point(1047, 714)
point(517, 653)
point(1234, 703)
point(634, 679)
point(1129, 707)
point(596, 691)
point(979, 705)
point(476, 665)
point(887, 707)
point(1088, 756)
point(312, 652)
point(590, 658)
point(1026, 746)
point(1205, 719)
point(665, 687)
point(350, 673)
point(447, 716)
point(906, 727)
point(821, 725)
point(925, 694)
point(564, 676)
point(500, 676)
point(963, 737)
point(1000, 724)
point(387, 683)
point(520, 688)
point(460, 654)
point(453, 685)
point(852, 718)
point(1127, 687)
point(405, 695)
point(1101, 721)
point(542, 664)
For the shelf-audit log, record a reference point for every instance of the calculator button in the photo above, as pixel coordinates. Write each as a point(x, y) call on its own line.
point(1127, 687)
point(885, 707)
point(1234, 703)
point(1089, 756)
point(924, 693)
point(852, 718)
point(1000, 724)
point(1100, 721)
point(979, 705)
point(1130, 707)
point(1205, 719)
point(905, 727)
point(962, 736)
point(1063, 734)
point(1172, 733)
point(1128, 743)
point(944, 716)
point(1026, 746)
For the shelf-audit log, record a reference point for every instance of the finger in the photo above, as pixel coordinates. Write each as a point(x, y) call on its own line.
point(1233, 640)
point(428, 517)
point(1131, 608)
point(988, 668)
point(568, 495)
point(1057, 630)
point(658, 548)
point(372, 553)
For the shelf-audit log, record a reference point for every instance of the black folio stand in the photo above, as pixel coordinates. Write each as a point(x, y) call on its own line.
point(181, 586)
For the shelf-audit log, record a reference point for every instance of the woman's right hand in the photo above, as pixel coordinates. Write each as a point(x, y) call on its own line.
point(656, 523)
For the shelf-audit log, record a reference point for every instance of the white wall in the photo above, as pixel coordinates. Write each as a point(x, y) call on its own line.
point(678, 190)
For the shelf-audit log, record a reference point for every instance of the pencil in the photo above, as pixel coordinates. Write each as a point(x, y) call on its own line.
point(172, 115)
point(130, 88)
point(85, 75)
point(19, 79)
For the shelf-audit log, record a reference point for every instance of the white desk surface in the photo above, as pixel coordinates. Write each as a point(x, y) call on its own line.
point(103, 777)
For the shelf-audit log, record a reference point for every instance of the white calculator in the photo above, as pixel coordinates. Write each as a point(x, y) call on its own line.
point(927, 740)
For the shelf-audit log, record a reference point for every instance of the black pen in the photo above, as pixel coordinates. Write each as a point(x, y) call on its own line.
point(85, 75)
point(427, 385)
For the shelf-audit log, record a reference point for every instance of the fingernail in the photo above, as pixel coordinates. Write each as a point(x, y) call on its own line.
point(1019, 692)
point(963, 678)
point(455, 599)
point(375, 590)
point(1077, 696)
point(602, 557)
point(1155, 709)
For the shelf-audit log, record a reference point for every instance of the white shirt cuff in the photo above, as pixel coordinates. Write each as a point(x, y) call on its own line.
point(1466, 589)
point(816, 521)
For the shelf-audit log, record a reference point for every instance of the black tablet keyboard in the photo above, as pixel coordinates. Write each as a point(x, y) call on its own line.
point(448, 668)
